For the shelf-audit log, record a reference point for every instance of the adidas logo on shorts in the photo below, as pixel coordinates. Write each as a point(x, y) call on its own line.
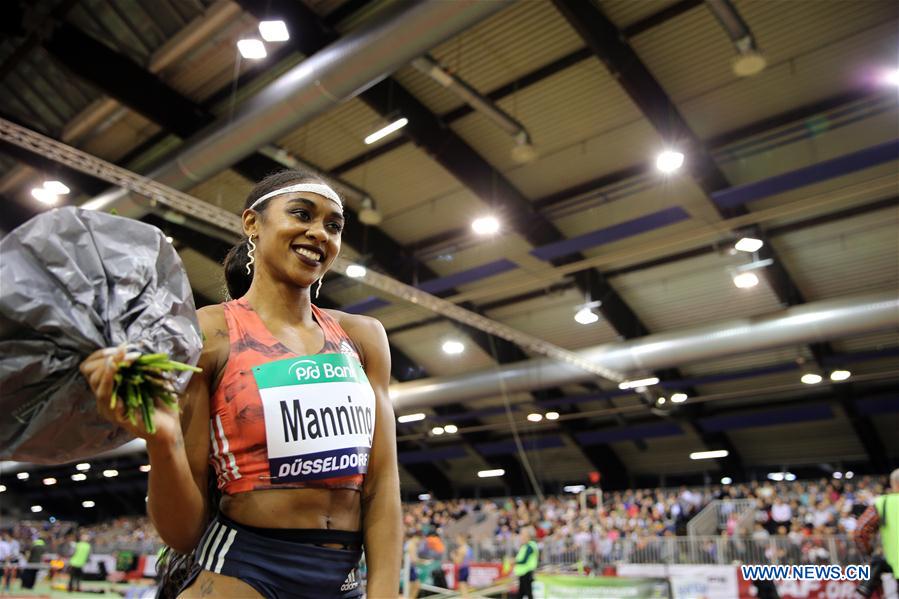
point(350, 583)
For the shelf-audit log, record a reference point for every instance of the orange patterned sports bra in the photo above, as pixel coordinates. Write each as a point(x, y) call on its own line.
point(239, 452)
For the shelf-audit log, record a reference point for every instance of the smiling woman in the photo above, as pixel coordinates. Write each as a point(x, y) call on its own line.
point(297, 205)
point(306, 465)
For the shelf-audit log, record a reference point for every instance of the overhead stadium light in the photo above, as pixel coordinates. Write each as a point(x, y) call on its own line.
point(110, 473)
point(145, 468)
point(624, 386)
point(385, 131)
point(669, 161)
point(23, 476)
point(437, 431)
point(405, 418)
point(355, 271)
point(45, 196)
point(574, 488)
point(88, 503)
point(811, 378)
point(745, 280)
point(491, 473)
point(274, 31)
point(36, 509)
point(552, 415)
point(453, 347)
point(485, 225)
point(726, 480)
point(709, 455)
point(586, 316)
point(252, 49)
point(424, 497)
point(840, 375)
point(57, 187)
point(679, 397)
point(749, 244)
point(535, 417)
point(83, 467)
point(2, 488)
point(79, 477)
point(450, 429)
point(49, 481)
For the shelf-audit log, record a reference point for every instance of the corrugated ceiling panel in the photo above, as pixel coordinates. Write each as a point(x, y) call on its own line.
point(796, 444)
point(573, 107)
point(849, 257)
point(226, 190)
point(628, 12)
point(337, 135)
point(641, 246)
point(120, 136)
point(427, 218)
point(562, 464)
point(211, 66)
point(552, 318)
point(423, 345)
point(872, 341)
point(809, 48)
point(205, 275)
point(501, 49)
point(825, 144)
point(481, 251)
point(619, 148)
point(691, 54)
point(757, 385)
point(692, 292)
point(399, 314)
point(746, 361)
point(664, 456)
point(837, 67)
point(404, 181)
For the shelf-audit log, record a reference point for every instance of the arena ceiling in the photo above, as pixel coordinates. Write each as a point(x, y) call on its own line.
point(601, 88)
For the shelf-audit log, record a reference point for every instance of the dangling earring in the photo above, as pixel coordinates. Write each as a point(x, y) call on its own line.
point(319, 287)
point(250, 255)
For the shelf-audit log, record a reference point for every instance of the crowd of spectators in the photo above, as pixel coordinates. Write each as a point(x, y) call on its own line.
point(787, 521)
point(798, 512)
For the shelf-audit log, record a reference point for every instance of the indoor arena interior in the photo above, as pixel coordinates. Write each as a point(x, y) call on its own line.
point(544, 299)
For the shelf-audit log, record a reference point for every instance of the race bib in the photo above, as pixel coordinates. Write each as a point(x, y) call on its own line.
point(319, 417)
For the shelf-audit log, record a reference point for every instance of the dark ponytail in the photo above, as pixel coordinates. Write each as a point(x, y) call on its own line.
point(237, 281)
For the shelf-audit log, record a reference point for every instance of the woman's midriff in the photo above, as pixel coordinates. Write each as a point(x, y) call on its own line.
point(335, 509)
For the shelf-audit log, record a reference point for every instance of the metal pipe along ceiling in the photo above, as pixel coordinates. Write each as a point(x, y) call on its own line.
point(338, 72)
point(818, 321)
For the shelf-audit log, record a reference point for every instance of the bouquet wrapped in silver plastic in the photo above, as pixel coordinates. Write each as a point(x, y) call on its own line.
point(73, 281)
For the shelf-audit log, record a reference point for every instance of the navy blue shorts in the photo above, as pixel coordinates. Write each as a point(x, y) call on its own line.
point(279, 566)
point(463, 573)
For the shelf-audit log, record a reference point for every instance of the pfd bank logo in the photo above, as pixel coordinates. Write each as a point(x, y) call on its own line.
point(806, 572)
point(310, 371)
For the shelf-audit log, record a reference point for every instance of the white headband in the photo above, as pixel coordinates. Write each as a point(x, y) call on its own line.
point(319, 188)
